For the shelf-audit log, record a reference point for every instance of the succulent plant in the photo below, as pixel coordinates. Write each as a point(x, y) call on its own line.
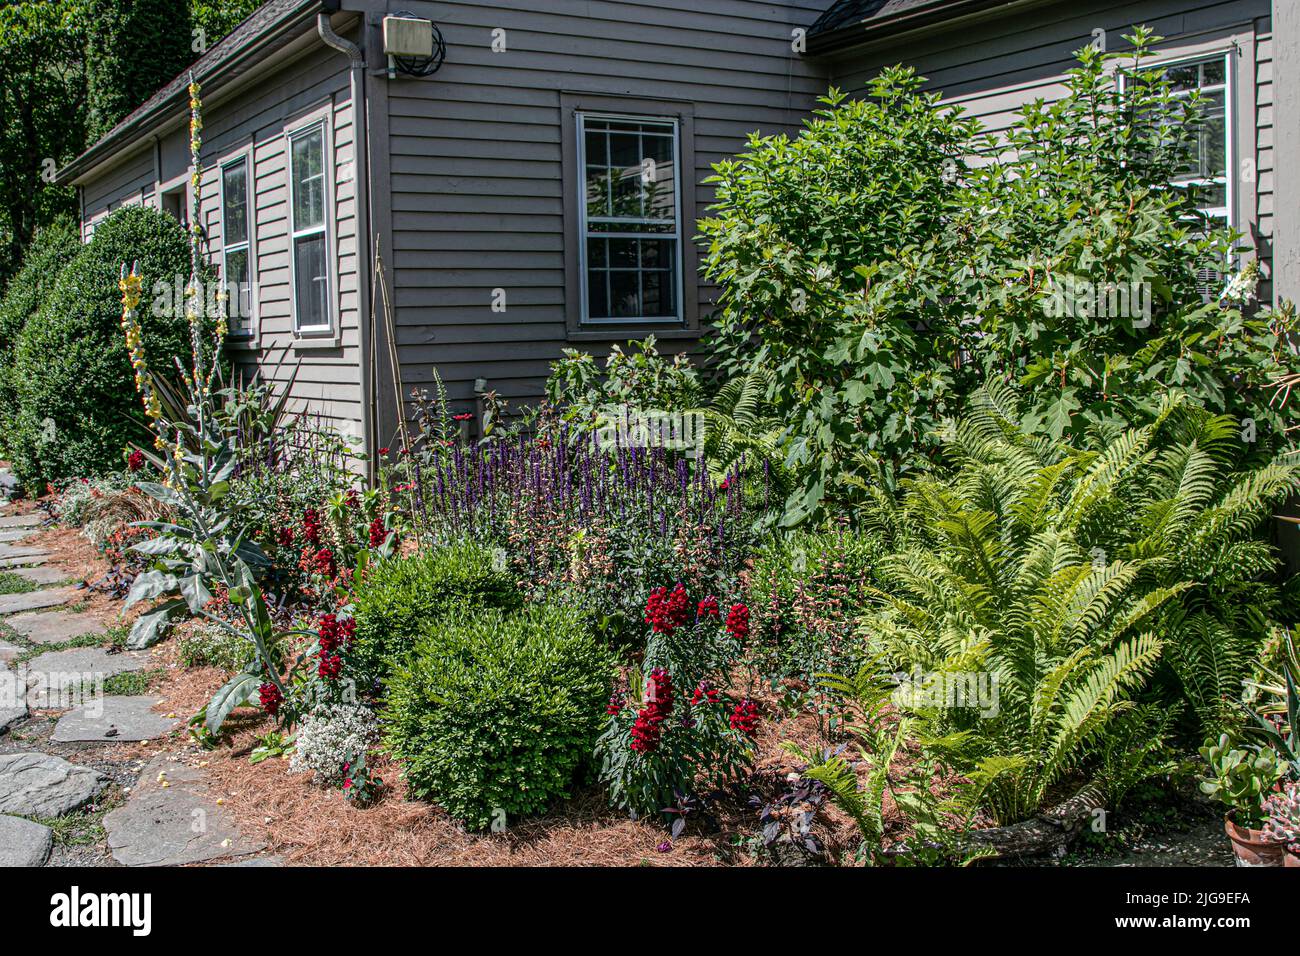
point(1239, 778)
point(1283, 812)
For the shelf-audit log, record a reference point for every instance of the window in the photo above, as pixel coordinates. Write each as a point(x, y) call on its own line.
point(1206, 169)
point(630, 219)
point(309, 258)
point(236, 246)
point(173, 202)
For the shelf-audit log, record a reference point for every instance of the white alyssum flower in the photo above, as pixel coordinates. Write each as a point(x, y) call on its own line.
point(331, 735)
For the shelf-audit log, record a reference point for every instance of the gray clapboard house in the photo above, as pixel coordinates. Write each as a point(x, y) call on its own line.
point(320, 148)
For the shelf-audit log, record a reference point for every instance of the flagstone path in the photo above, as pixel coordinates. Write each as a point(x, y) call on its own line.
point(60, 736)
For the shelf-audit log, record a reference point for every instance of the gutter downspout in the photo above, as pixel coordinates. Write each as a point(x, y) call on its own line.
point(361, 189)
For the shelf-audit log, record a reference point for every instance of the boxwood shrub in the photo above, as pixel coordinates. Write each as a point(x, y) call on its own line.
point(52, 249)
point(77, 403)
point(496, 712)
point(400, 597)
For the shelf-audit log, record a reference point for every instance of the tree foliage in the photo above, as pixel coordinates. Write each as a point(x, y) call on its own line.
point(42, 109)
point(119, 75)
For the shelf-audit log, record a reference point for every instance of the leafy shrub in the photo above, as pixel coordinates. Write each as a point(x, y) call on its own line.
point(494, 714)
point(807, 593)
point(882, 278)
point(53, 247)
point(210, 645)
point(77, 403)
point(640, 378)
point(399, 598)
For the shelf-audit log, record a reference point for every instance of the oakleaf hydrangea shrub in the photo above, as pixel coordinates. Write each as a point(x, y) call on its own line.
point(330, 739)
point(495, 714)
point(883, 278)
point(399, 598)
point(77, 405)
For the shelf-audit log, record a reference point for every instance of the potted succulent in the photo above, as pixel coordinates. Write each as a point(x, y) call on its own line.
point(1283, 821)
point(1239, 778)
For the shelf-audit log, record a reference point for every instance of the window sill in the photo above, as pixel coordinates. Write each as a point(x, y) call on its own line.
point(631, 333)
point(308, 341)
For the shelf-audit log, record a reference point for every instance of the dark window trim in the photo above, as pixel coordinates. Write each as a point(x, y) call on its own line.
point(684, 113)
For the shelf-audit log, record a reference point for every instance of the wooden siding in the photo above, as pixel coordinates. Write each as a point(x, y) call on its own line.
point(475, 160)
point(255, 120)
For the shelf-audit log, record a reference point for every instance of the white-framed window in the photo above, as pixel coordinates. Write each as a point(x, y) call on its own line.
point(309, 217)
point(630, 219)
point(237, 265)
point(1210, 158)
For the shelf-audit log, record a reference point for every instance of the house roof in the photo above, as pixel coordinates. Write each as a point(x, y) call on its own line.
point(850, 22)
point(268, 28)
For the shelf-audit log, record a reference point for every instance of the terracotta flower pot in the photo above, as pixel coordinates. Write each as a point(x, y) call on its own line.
point(1250, 847)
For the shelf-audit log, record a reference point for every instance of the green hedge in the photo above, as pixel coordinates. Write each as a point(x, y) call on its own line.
point(494, 714)
point(399, 599)
point(77, 403)
point(52, 249)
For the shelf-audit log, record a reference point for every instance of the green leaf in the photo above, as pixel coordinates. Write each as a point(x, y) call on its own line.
point(239, 690)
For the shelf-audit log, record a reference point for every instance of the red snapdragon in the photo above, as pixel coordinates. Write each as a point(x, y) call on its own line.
point(708, 608)
point(649, 719)
point(312, 527)
point(738, 622)
point(666, 611)
point(745, 717)
point(271, 698)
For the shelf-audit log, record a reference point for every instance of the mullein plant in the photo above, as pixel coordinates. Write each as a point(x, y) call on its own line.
point(202, 549)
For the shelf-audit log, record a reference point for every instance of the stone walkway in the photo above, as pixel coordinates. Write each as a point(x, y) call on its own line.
point(61, 764)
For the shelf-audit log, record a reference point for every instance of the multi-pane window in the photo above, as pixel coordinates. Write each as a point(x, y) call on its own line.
point(236, 230)
point(308, 195)
point(1206, 167)
point(631, 221)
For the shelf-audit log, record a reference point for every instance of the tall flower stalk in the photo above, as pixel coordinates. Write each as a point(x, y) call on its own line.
point(201, 550)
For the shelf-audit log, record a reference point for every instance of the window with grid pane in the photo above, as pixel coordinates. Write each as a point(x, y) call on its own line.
point(1205, 170)
point(308, 194)
point(236, 231)
point(631, 222)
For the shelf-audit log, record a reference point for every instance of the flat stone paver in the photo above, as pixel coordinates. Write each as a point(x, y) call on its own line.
point(8, 652)
point(173, 825)
point(42, 576)
point(114, 720)
point(40, 785)
point(13, 699)
point(55, 627)
point(19, 562)
point(35, 600)
point(23, 551)
point(21, 521)
point(24, 843)
point(15, 534)
point(65, 679)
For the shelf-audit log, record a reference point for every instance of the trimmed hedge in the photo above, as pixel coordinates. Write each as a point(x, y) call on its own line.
point(494, 714)
point(53, 248)
point(399, 598)
point(77, 403)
